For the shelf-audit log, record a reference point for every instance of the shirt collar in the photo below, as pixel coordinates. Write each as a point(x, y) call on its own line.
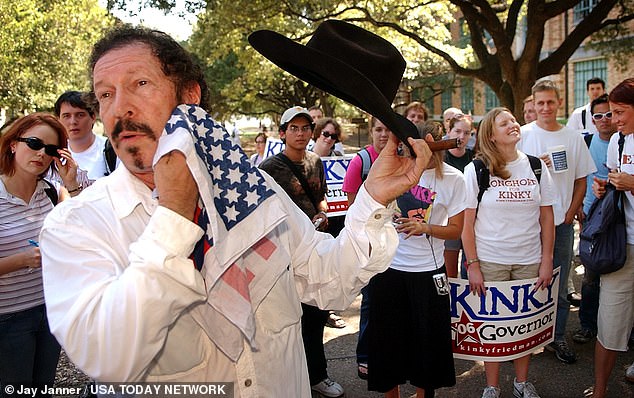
point(127, 192)
point(4, 194)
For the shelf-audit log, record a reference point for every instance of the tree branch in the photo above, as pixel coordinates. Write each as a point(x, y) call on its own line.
point(555, 61)
point(424, 43)
point(513, 17)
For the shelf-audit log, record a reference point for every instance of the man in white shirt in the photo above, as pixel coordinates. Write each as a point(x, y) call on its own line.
point(449, 114)
point(581, 118)
point(529, 110)
point(568, 159)
point(125, 298)
point(87, 148)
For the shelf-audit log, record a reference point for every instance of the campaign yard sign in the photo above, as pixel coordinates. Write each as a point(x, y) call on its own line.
point(335, 168)
point(510, 321)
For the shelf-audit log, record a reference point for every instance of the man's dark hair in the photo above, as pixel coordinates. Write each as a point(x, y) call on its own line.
point(177, 64)
point(603, 99)
point(595, 80)
point(75, 99)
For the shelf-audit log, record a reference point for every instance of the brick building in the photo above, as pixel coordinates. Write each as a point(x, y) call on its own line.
point(475, 97)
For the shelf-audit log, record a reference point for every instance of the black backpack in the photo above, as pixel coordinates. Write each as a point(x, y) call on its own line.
point(603, 238)
point(110, 157)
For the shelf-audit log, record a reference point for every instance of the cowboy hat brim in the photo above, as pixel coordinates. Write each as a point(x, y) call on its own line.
point(333, 76)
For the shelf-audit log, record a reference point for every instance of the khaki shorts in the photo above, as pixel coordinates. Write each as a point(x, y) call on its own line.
point(616, 306)
point(494, 272)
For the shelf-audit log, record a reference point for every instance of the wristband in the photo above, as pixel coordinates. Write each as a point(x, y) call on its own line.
point(473, 260)
point(79, 188)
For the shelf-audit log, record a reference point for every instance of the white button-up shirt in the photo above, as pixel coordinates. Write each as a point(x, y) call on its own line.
point(127, 304)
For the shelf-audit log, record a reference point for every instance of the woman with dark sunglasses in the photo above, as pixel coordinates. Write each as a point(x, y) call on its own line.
point(326, 134)
point(28, 150)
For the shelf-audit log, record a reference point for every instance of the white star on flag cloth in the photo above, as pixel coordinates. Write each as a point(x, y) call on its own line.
point(237, 210)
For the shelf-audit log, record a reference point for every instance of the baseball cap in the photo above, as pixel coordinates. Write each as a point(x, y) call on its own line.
point(290, 113)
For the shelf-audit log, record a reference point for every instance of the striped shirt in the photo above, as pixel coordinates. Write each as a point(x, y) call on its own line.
point(19, 222)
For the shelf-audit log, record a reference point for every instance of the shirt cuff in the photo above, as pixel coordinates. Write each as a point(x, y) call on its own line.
point(175, 233)
point(366, 200)
point(372, 225)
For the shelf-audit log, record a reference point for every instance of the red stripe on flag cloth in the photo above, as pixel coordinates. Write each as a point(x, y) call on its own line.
point(239, 280)
point(264, 247)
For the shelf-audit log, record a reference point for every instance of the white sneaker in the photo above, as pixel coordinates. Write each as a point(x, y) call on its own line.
point(328, 388)
point(524, 390)
point(491, 392)
point(629, 373)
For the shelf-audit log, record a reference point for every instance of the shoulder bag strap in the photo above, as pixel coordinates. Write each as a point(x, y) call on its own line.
point(300, 177)
point(51, 192)
point(536, 166)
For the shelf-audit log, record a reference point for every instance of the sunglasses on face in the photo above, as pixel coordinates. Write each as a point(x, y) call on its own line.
point(600, 116)
point(36, 144)
point(334, 136)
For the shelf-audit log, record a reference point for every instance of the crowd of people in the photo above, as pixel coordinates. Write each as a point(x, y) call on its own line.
point(238, 261)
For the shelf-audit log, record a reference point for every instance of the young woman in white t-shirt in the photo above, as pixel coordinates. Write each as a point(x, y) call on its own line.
point(510, 234)
point(417, 349)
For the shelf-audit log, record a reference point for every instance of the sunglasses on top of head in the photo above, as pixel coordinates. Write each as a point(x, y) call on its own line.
point(334, 136)
point(36, 144)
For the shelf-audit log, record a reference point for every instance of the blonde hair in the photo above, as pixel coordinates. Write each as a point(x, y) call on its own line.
point(435, 130)
point(488, 151)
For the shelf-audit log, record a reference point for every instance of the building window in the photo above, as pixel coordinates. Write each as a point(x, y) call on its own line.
point(464, 35)
point(582, 9)
point(490, 99)
point(467, 96)
point(426, 96)
point(585, 71)
point(429, 104)
point(445, 99)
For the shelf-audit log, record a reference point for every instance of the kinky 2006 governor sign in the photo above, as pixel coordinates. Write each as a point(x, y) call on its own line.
point(510, 321)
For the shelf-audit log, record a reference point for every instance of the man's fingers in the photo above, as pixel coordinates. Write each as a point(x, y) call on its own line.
point(422, 151)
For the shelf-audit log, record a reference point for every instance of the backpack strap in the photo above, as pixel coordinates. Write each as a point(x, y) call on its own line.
point(588, 139)
point(536, 165)
point(583, 118)
point(482, 175)
point(366, 162)
point(110, 157)
point(51, 192)
point(621, 145)
point(300, 177)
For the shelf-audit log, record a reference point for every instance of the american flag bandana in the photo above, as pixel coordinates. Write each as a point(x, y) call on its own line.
point(237, 210)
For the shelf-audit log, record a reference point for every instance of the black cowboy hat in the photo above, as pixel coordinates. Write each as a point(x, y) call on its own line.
point(348, 62)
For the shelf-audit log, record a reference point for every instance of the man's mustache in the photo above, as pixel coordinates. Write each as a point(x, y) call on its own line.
point(129, 125)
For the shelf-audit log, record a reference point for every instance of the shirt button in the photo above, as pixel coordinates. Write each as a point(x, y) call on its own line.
point(247, 382)
point(377, 216)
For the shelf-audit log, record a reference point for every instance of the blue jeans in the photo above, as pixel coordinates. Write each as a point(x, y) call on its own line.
point(28, 351)
point(562, 257)
point(589, 307)
point(364, 316)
